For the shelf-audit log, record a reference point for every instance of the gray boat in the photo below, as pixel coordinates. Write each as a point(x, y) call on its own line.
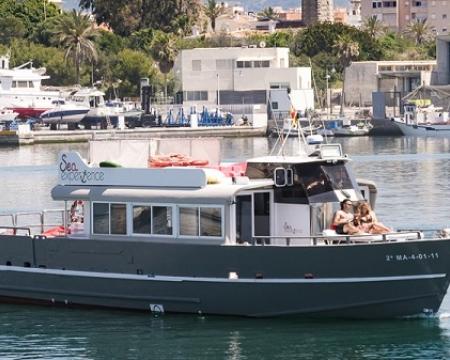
point(246, 239)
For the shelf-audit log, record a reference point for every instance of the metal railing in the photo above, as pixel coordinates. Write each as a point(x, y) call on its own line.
point(341, 239)
point(30, 223)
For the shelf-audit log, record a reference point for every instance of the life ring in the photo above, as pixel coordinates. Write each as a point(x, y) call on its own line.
point(199, 162)
point(157, 163)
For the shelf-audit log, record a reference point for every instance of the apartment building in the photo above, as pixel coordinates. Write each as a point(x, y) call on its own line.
point(397, 14)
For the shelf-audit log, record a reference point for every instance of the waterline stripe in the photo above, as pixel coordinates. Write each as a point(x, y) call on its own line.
point(146, 277)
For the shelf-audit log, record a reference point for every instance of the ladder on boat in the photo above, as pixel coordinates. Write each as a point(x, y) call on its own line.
point(108, 122)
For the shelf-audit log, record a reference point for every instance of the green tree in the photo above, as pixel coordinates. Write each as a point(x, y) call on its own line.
point(127, 17)
point(267, 13)
point(43, 32)
point(419, 30)
point(11, 28)
point(73, 33)
point(109, 42)
point(374, 27)
point(30, 12)
point(213, 10)
point(42, 56)
point(164, 51)
point(347, 51)
point(131, 67)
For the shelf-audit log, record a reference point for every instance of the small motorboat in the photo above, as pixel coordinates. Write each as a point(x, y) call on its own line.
point(64, 113)
point(7, 114)
point(314, 139)
point(353, 130)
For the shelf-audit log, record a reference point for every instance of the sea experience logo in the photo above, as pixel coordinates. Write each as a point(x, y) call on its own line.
point(69, 171)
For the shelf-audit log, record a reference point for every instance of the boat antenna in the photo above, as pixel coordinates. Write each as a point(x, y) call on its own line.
point(318, 100)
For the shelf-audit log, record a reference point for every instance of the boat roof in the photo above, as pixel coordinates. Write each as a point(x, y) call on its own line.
point(210, 194)
point(322, 152)
point(89, 92)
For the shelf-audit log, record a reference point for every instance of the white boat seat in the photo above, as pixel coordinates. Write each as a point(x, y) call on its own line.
point(333, 238)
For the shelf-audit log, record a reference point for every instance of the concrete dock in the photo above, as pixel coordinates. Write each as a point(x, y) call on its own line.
point(43, 135)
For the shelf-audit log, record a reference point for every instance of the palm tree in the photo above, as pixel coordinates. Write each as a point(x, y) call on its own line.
point(267, 13)
point(73, 32)
point(347, 51)
point(419, 30)
point(374, 27)
point(213, 10)
point(164, 51)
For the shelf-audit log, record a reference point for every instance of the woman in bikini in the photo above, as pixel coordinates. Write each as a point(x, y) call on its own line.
point(369, 220)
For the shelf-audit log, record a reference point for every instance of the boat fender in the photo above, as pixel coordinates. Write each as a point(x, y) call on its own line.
point(214, 176)
point(109, 164)
point(241, 180)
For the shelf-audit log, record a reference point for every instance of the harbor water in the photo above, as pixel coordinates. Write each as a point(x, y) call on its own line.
point(413, 192)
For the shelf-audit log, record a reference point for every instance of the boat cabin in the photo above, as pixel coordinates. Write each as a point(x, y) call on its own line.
point(267, 200)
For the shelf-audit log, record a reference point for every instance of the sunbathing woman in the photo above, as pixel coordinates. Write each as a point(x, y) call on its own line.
point(370, 222)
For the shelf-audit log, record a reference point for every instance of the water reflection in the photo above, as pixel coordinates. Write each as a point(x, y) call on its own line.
point(41, 333)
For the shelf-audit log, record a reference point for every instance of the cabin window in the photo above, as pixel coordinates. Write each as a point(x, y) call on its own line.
point(118, 219)
point(156, 220)
point(101, 218)
point(142, 220)
point(162, 220)
point(109, 219)
point(189, 221)
point(203, 221)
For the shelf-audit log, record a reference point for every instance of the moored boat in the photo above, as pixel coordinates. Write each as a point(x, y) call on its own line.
point(7, 115)
point(249, 239)
point(64, 113)
point(423, 121)
point(353, 130)
point(21, 89)
point(293, 128)
point(100, 114)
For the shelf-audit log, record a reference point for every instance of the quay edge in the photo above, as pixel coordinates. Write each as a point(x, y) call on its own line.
point(8, 138)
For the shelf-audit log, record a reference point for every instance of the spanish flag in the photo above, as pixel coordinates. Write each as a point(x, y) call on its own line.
point(294, 116)
point(293, 112)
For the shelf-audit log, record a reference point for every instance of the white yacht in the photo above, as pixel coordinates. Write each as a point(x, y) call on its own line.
point(21, 89)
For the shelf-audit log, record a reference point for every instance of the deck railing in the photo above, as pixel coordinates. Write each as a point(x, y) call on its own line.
point(31, 223)
point(340, 239)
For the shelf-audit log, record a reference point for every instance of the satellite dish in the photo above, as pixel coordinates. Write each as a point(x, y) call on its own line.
point(262, 44)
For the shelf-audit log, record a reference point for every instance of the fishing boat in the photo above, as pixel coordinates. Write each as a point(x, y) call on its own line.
point(64, 113)
point(250, 238)
point(420, 120)
point(21, 89)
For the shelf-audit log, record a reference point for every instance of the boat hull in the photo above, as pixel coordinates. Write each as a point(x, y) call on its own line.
point(57, 116)
point(96, 119)
point(352, 281)
point(345, 132)
point(442, 131)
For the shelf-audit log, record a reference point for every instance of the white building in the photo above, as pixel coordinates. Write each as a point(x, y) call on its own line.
point(365, 77)
point(243, 76)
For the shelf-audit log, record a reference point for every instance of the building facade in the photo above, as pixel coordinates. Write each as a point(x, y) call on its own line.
point(314, 11)
point(365, 77)
point(398, 14)
point(242, 76)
